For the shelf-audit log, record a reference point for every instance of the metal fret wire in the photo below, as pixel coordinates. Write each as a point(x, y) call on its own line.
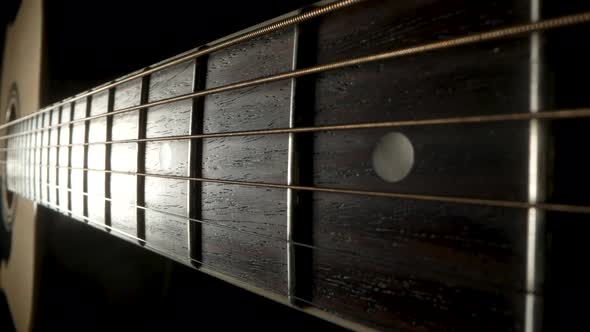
point(549, 115)
point(292, 177)
point(201, 264)
point(537, 151)
point(345, 252)
point(397, 195)
point(460, 41)
point(287, 22)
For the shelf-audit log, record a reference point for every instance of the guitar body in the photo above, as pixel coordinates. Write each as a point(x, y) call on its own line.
point(20, 93)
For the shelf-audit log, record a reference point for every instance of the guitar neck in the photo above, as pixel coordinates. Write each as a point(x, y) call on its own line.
point(327, 162)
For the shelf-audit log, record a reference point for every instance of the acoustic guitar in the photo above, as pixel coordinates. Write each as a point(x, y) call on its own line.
point(380, 164)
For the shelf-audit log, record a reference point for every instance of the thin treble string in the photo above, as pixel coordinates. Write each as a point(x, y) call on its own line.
point(395, 195)
point(548, 115)
point(501, 33)
point(200, 51)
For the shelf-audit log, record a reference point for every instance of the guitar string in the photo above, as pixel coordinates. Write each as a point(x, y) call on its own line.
point(394, 195)
point(489, 285)
point(501, 33)
point(160, 251)
point(287, 22)
point(201, 264)
point(548, 115)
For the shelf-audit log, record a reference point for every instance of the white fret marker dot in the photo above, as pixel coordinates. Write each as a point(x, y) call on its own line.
point(393, 157)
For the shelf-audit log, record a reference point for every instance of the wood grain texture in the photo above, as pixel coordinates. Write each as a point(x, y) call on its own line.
point(165, 199)
point(257, 158)
point(404, 300)
point(476, 251)
point(170, 119)
point(123, 159)
point(166, 215)
point(167, 233)
point(403, 264)
point(492, 163)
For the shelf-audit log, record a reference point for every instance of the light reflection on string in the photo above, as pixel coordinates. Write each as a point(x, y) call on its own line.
point(548, 115)
point(338, 251)
point(428, 47)
point(394, 195)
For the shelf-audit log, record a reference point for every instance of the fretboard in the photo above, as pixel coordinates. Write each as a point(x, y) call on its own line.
point(386, 162)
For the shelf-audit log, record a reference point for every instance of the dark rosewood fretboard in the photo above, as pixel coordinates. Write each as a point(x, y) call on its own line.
point(413, 225)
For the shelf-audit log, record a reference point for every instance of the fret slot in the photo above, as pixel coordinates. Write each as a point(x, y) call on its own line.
point(168, 157)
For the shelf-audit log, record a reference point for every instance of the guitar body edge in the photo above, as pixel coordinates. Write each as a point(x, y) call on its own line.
point(22, 68)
